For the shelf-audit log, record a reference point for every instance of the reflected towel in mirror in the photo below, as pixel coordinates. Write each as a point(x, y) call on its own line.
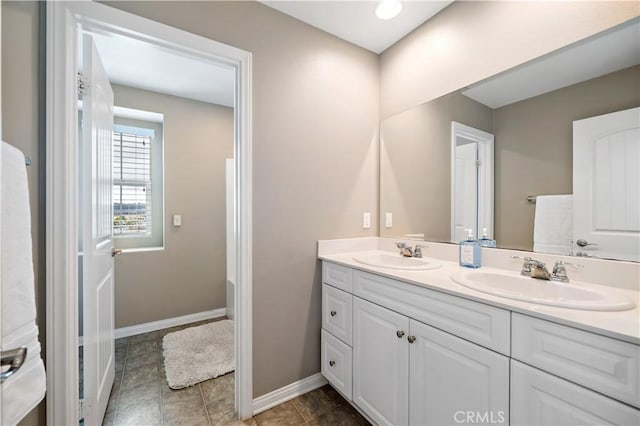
point(553, 225)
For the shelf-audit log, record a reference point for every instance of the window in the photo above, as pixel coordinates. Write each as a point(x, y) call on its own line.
point(137, 184)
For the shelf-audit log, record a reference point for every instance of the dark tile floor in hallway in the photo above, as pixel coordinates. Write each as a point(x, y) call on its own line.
point(140, 395)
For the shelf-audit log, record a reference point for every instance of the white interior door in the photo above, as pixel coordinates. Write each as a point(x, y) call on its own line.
point(606, 185)
point(466, 194)
point(97, 241)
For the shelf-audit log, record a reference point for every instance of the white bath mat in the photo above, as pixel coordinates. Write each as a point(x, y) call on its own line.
point(199, 353)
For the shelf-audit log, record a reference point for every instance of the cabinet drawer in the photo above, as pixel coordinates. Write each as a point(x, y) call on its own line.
point(606, 365)
point(337, 363)
point(482, 324)
point(338, 276)
point(540, 399)
point(337, 313)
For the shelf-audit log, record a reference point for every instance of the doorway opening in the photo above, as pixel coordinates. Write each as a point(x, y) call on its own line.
point(471, 182)
point(160, 145)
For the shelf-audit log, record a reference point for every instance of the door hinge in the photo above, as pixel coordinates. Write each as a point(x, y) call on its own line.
point(83, 85)
point(478, 163)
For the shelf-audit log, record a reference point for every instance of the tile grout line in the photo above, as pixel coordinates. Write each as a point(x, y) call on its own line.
point(295, 407)
point(124, 364)
point(160, 381)
point(206, 410)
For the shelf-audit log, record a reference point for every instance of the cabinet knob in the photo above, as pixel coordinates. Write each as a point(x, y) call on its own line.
point(332, 363)
point(333, 313)
point(400, 334)
point(411, 339)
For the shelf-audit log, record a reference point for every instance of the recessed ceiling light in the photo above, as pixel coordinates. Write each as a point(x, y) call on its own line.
point(388, 9)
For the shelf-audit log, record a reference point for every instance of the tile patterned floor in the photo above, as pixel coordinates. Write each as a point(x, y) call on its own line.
point(140, 395)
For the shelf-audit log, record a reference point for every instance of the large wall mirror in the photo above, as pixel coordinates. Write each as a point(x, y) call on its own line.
point(544, 157)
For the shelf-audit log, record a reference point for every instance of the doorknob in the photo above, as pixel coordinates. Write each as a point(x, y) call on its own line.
point(115, 252)
point(583, 243)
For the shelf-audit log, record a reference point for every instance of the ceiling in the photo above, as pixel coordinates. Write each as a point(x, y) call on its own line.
point(139, 64)
point(356, 21)
point(601, 54)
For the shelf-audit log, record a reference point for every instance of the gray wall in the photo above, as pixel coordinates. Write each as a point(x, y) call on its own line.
point(472, 40)
point(315, 116)
point(20, 128)
point(415, 164)
point(534, 147)
point(189, 275)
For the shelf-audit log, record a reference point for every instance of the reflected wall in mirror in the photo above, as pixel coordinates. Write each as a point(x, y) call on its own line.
point(531, 111)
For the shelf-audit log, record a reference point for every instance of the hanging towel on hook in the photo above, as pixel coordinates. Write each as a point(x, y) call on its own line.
point(24, 389)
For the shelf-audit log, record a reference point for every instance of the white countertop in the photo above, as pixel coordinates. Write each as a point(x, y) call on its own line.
point(623, 325)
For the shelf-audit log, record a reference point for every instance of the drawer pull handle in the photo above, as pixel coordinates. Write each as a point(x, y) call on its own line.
point(411, 339)
point(333, 313)
point(400, 334)
point(332, 363)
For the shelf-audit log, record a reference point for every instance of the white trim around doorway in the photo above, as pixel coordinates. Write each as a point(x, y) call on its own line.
point(65, 20)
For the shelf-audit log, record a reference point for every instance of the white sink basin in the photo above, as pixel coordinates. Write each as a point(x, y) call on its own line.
point(566, 295)
point(396, 261)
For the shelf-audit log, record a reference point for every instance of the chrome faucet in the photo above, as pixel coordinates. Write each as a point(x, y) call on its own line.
point(526, 265)
point(417, 252)
point(537, 269)
point(533, 268)
point(407, 251)
point(560, 272)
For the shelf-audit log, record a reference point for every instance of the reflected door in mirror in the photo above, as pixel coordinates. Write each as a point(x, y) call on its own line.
point(606, 179)
point(471, 182)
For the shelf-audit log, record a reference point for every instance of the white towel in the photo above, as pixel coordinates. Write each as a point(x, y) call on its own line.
point(22, 391)
point(553, 226)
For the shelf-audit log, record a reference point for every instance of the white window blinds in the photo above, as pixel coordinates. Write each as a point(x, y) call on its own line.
point(132, 186)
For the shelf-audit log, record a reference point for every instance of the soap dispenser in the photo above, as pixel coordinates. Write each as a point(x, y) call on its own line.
point(485, 241)
point(470, 252)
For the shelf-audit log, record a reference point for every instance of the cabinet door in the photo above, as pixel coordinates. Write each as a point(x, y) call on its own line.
point(538, 398)
point(380, 363)
point(454, 381)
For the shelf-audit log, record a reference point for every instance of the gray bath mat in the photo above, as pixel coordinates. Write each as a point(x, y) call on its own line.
point(199, 353)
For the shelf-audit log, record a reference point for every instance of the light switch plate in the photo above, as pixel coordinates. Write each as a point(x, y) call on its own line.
point(366, 220)
point(388, 219)
point(177, 220)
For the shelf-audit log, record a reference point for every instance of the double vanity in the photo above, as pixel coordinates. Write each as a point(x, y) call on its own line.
point(425, 342)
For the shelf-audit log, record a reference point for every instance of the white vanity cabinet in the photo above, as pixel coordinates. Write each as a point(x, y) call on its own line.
point(598, 369)
point(539, 398)
point(406, 372)
point(408, 355)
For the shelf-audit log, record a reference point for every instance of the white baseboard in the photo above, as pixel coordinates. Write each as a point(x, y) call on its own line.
point(286, 393)
point(169, 322)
